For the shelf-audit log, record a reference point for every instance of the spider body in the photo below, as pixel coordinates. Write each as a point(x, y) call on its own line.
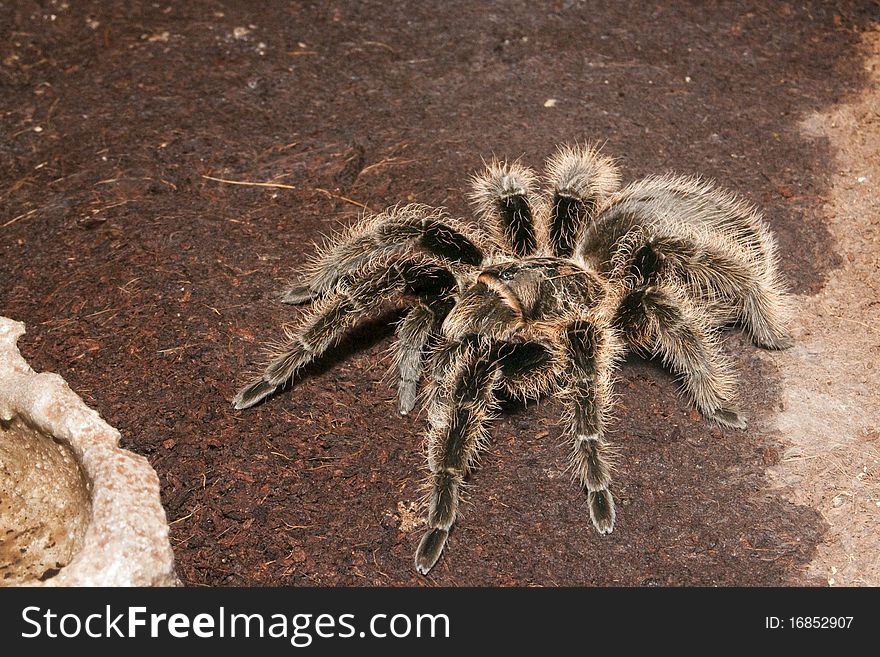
point(543, 299)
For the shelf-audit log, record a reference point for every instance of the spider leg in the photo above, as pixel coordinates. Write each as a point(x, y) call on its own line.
point(765, 310)
point(461, 407)
point(580, 180)
point(661, 321)
point(360, 295)
point(413, 333)
point(717, 245)
point(528, 368)
point(502, 194)
point(755, 294)
point(586, 390)
point(413, 226)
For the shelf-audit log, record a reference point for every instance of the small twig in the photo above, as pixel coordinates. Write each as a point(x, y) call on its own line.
point(381, 45)
point(171, 350)
point(188, 515)
point(115, 205)
point(800, 458)
point(384, 574)
point(123, 288)
point(342, 198)
point(386, 162)
point(289, 526)
point(100, 312)
point(250, 184)
point(21, 216)
point(831, 313)
point(855, 321)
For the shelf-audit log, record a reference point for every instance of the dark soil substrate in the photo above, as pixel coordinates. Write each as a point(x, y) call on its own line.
point(150, 286)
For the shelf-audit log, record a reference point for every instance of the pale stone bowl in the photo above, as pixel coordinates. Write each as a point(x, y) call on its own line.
point(75, 508)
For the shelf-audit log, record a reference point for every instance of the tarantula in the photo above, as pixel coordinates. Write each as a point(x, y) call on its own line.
point(544, 298)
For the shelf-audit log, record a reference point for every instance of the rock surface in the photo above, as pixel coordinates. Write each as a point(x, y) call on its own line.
point(75, 508)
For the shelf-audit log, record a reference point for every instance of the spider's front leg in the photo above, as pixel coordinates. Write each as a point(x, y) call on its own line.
point(580, 180)
point(462, 403)
point(585, 379)
point(414, 333)
point(413, 227)
point(504, 196)
point(367, 290)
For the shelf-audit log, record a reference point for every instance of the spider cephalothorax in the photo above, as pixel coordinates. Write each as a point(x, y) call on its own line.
point(543, 298)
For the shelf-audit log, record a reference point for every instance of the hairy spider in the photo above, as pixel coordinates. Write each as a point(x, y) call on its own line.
point(544, 298)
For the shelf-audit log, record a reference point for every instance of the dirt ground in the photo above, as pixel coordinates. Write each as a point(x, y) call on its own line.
point(831, 380)
point(146, 263)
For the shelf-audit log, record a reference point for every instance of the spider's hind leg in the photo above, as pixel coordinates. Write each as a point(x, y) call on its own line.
point(736, 290)
point(753, 290)
point(765, 311)
point(661, 321)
